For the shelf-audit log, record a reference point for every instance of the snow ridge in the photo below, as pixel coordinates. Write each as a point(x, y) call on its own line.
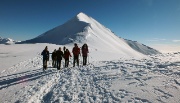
point(141, 47)
point(84, 29)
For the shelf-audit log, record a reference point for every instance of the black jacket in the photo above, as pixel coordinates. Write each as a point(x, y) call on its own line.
point(59, 55)
point(54, 55)
point(45, 54)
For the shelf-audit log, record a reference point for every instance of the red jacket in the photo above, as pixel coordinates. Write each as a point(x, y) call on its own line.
point(85, 51)
point(67, 55)
point(76, 51)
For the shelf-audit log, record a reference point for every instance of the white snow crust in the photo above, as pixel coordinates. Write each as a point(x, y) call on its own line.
point(109, 77)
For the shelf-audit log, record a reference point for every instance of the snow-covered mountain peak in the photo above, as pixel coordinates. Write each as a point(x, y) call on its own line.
point(84, 29)
point(83, 17)
point(6, 41)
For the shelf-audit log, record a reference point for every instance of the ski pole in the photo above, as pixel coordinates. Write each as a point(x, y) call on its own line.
point(88, 58)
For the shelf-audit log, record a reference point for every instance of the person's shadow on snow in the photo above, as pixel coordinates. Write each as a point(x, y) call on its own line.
point(23, 77)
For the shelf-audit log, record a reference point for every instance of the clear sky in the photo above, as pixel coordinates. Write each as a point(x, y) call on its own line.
point(152, 22)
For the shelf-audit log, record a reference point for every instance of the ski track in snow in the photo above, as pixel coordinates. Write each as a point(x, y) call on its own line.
point(150, 80)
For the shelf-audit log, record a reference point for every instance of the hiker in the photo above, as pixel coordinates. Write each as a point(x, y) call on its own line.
point(67, 54)
point(76, 53)
point(54, 58)
point(64, 48)
point(45, 54)
point(59, 54)
point(85, 52)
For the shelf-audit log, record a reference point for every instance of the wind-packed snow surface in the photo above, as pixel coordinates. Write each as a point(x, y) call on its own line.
point(106, 79)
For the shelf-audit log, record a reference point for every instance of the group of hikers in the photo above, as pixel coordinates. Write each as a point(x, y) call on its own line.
point(58, 55)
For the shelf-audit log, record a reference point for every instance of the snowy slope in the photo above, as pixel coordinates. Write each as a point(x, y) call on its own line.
point(154, 79)
point(141, 47)
point(84, 29)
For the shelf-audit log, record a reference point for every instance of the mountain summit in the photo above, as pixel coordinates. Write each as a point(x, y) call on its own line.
point(80, 28)
point(7, 41)
point(83, 17)
point(84, 29)
point(69, 32)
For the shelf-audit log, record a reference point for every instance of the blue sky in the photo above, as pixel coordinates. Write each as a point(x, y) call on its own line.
point(146, 21)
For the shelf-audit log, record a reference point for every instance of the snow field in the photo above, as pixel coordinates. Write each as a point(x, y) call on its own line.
point(150, 80)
